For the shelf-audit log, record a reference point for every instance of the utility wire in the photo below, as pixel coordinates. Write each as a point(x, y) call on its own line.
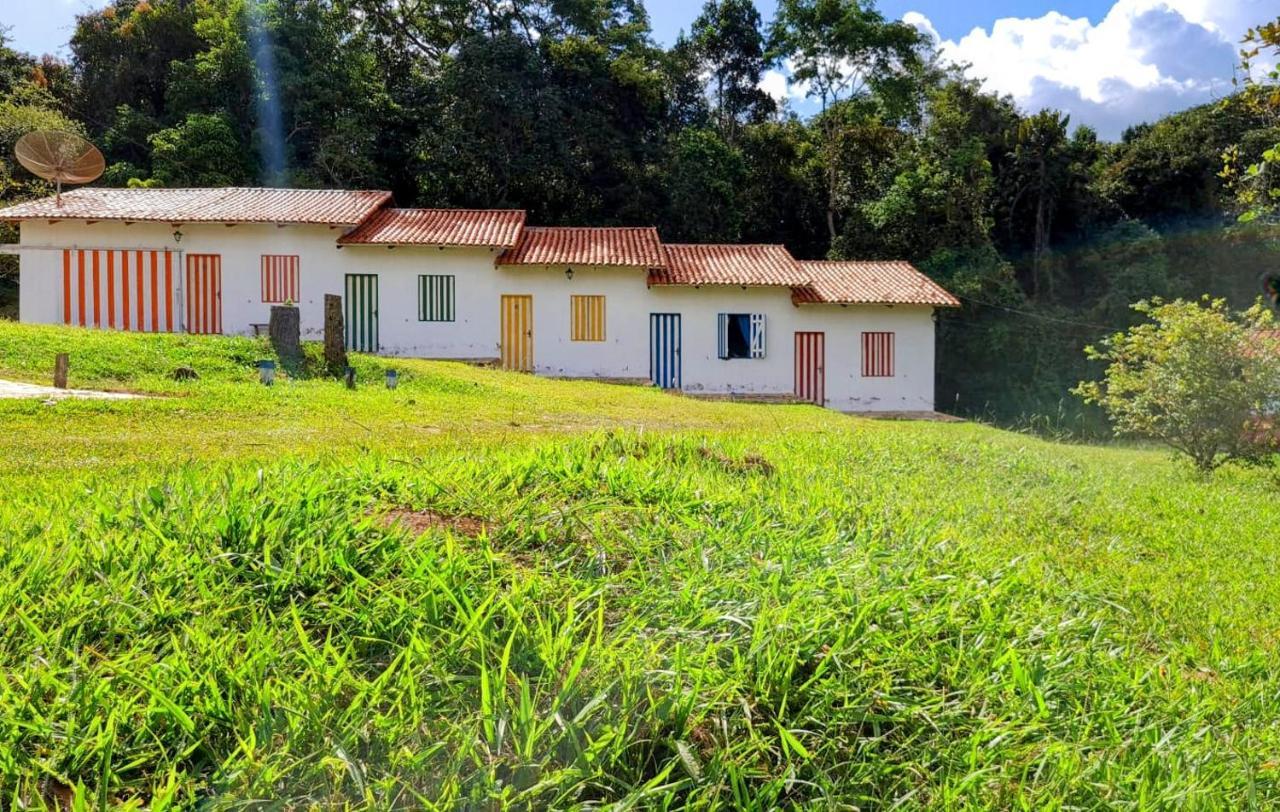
point(1041, 316)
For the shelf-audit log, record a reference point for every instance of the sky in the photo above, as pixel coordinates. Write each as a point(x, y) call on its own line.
point(1108, 63)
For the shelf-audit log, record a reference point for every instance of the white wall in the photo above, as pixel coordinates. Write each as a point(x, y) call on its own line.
point(474, 332)
point(321, 265)
point(479, 286)
point(910, 388)
point(625, 351)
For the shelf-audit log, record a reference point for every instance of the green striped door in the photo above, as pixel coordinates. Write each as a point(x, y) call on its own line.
point(362, 312)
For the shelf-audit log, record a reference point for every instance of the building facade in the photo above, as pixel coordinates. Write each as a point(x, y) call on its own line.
point(481, 285)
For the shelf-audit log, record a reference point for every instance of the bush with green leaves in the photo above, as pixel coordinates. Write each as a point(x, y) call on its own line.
point(1195, 377)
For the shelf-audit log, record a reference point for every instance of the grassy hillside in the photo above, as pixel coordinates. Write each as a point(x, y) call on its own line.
point(493, 591)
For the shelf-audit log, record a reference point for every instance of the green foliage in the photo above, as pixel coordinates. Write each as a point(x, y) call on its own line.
point(303, 596)
point(25, 105)
point(201, 151)
point(1195, 378)
point(844, 48)
point(730, 46)
point(703, 175)
point(1251, 172)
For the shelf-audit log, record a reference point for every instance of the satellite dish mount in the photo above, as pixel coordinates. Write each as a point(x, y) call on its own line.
point(60, 157)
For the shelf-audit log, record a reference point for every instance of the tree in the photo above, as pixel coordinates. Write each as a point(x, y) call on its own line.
point(1256, 185)
point(201, 151)
point(730, 47)
point(703, 177)
point(122, 55)
point(25, 105)
point(1124, 263)
point(842, 50)
point(1196, 377)
point(1039, 161)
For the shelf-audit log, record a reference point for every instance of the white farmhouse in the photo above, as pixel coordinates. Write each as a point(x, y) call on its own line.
point(470, 284)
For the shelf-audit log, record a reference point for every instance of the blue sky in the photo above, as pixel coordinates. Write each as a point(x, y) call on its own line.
point(1108, 63)
point(952, 18)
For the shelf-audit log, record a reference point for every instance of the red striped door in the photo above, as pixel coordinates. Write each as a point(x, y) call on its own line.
point(811, 373)
point(280, 278)
point(125, 289)
point(204, 293)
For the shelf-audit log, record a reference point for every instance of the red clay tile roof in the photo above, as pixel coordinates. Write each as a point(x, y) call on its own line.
point(750, 265)
point(889, 282)
point(225, 205)
point(495, 228)
point(628, 247)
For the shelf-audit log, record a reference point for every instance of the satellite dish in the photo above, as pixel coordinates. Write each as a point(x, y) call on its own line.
point(59, 157)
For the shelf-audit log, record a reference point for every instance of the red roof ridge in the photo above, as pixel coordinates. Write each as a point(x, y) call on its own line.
point(616, 246)
point(745, 264)
point(444, 227)
point(213, 204)
point(870, 281)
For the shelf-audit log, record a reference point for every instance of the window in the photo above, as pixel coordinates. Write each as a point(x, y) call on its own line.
point(741, 335)
point(435, 297)
point(877, 355)
point(586, 318)
point(279, 278)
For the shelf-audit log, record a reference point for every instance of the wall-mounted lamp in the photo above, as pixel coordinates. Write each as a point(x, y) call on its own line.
point(177, 235)
point(568, 273)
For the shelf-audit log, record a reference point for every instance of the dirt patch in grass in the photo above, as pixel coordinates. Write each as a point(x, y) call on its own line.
point(421, 521)
point(750, 463)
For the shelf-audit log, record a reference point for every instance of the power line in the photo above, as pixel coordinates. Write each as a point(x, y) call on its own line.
point(1041, 316)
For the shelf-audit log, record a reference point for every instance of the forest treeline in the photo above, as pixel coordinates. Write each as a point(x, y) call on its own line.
point(569, 109)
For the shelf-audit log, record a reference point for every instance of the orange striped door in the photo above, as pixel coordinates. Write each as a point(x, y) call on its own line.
point(517, 333)
point(125, 289)
point(204, 293)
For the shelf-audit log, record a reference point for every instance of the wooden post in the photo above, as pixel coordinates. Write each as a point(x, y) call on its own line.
point(285, 330)
point(335, 342)
point(60, 365)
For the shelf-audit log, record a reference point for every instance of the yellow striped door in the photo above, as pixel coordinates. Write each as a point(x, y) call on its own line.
point(517, 333)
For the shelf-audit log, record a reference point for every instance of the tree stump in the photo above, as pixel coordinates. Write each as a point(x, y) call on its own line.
point(335, 342)
point(60, 364)
point(285, 331)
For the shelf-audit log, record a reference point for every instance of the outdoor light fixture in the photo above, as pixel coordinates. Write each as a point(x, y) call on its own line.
point(568, 273)
point(177, 235)
point(267, 372)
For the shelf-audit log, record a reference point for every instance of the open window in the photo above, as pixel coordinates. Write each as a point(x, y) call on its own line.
point(741, 335)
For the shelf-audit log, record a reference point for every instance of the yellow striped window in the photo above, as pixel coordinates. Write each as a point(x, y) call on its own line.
point(586, 318)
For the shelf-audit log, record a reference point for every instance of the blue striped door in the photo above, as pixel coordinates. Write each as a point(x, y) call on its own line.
point(664, 350)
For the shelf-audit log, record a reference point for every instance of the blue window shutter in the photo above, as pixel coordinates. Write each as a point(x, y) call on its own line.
point(757, 335)
point(722, 335)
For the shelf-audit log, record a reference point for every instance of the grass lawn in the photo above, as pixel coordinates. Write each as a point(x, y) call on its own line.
point(486, 590)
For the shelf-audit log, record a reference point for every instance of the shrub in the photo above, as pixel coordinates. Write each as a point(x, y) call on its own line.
point(1195, 377)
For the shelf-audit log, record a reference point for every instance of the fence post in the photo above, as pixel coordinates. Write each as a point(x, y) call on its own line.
point(60, 364)
point(335, 343)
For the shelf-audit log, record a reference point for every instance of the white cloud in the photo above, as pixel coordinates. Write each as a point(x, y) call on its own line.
point(784, 88)
point(1143, 59)
point(775, 84)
